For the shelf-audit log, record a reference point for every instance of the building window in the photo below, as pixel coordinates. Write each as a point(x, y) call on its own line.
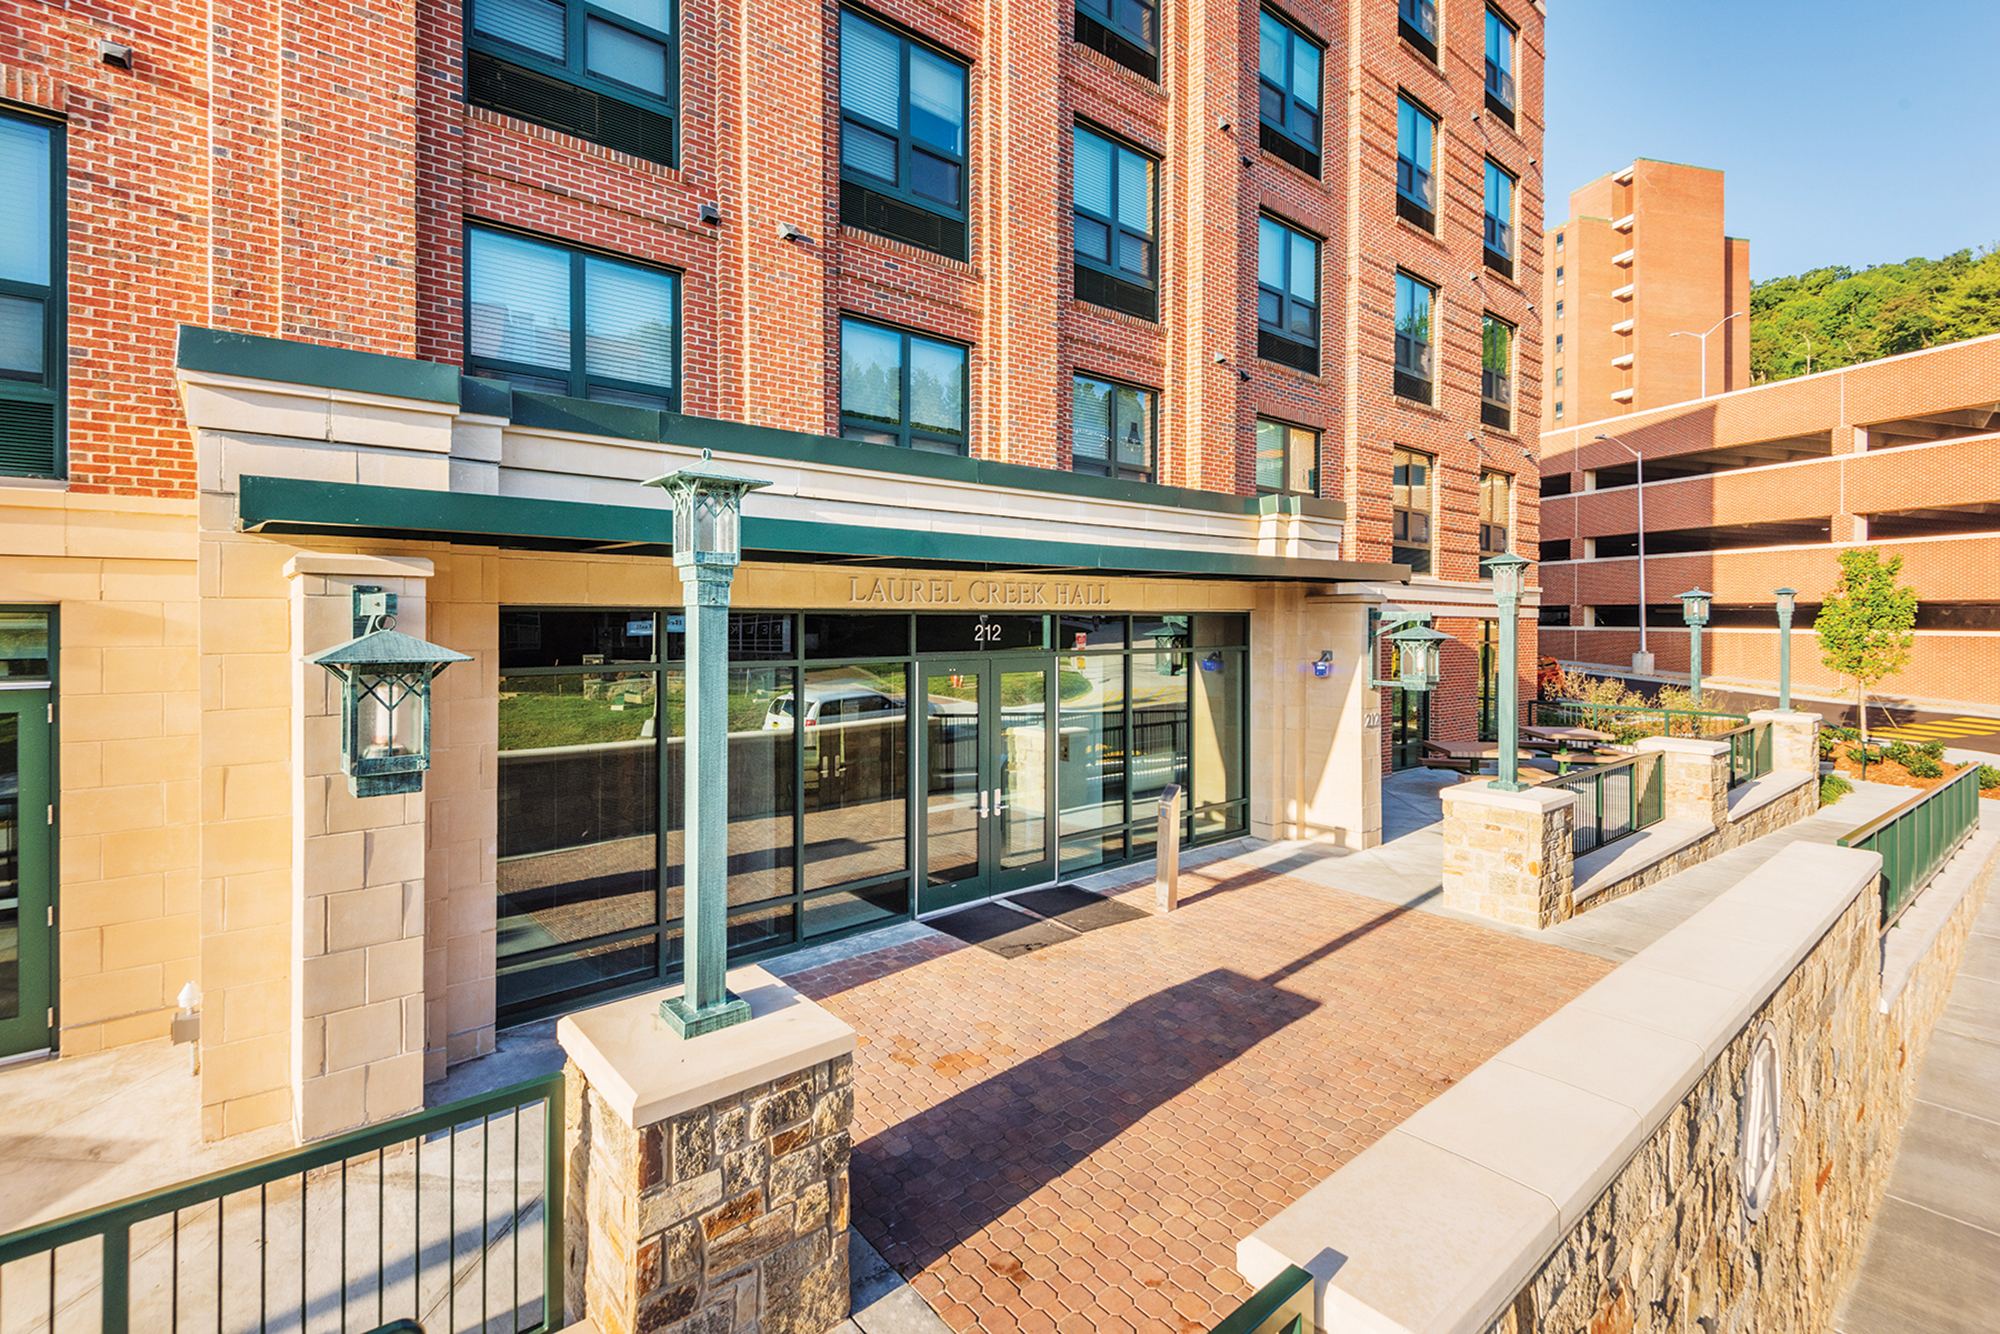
point(1410, 497)
point(603, 70)
point(1414, 298)
point(1287, 459)
point(1559, 377)
point(1559, 410)
point(1288, 84)
point(1116, 194)
point(1113, 428)
point(559, 321)
point(1559, 242)
point(1500, 67)
point(1128, 31)
point(1417, 21)
point(31, 298)
point(1287, 296)
point(1496, 373)
point(1496, 500)
point(1499, 219)
point(1559, 275)
point(900, 388)
point(902, 139)
point(1559, 313)
point(1559, 344)
point(1416, 138)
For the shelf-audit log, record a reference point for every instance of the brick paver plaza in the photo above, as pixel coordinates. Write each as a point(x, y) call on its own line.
point(1075, 1139)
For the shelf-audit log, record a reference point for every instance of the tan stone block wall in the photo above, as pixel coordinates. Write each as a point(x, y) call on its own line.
point(1511, 865)
point(119, 573)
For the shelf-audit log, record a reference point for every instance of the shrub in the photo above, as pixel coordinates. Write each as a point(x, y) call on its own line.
point(1900, 753)
point(1989, 778)
point(1934, 749)
point(1860, 756)
point(1832, 787)
point(1921, 765)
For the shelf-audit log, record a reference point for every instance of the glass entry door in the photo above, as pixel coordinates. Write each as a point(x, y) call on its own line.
point(987, 781)
point(24, 872)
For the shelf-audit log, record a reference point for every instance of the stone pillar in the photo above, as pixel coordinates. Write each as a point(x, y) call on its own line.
point(1794, 738)
point(357, 1040)
point(1697, 778)
point(708, 1176)
point(1508, 855)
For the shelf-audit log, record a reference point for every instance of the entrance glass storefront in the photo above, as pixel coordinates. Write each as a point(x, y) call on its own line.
point(1037, 745)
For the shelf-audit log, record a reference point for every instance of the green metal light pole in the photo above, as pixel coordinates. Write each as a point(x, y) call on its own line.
point(708, 545)
point(1508, 573)
point(1694, 610)
point(1786, 599)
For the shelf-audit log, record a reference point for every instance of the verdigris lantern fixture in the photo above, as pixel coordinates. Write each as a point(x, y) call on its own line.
point(708, 546)
point(1509, 573)
point(385, 698)
point(1787, 601)
point(1694, 610)
point(1418, 665)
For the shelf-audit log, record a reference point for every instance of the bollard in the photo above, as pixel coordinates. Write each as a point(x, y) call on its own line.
point(1167, 851)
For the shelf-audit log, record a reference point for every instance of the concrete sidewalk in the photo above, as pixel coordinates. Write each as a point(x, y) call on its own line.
point(1933, 1259)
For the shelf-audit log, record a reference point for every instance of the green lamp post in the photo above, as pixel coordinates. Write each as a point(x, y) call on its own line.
point(1787, 599)
point(385, 698)
point(708, 546)
point(1509, 572)
point(1694, 610)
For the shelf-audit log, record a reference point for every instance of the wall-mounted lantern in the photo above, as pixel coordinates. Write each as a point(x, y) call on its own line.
point(1419, 664)
point(385, 698)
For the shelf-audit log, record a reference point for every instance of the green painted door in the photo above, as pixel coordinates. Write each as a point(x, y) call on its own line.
point(987, 782)
point(1409, 728)
point(25, 933)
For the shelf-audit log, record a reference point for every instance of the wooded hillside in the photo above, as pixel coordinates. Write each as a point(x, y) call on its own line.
point(1837, 317)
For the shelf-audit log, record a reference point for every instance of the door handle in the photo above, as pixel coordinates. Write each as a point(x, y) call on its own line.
point(999, 804)
point(982, 803)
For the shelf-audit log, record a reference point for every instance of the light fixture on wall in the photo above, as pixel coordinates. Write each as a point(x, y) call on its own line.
point(1323, 664)
point(385, 698)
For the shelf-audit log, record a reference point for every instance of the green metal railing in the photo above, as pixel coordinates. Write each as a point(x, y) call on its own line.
point(219, 1251)
point(1629, 722)
point(1614, 800)
point(1750, 748)
point(1918, 837)
point(1282, 1306)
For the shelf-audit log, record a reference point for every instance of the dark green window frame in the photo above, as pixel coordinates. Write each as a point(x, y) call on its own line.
point(1416, 181)
point(1501, 187)
point(1114, 462)
point(873, 202)
point(1502, 42)
point(1106, 281)
point(33, 407)
point(1281, 311)
point(491, 84)
point(1288, 126)
point(1127, 31)
point(1496, 372)
point(903, 430)
point(578, 381)
point(1287, 459)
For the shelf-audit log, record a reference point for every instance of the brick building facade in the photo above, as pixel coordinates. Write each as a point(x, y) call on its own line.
point(262, 231)
point(1762, 488)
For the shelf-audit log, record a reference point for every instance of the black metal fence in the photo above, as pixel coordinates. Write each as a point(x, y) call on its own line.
point(1614, 800)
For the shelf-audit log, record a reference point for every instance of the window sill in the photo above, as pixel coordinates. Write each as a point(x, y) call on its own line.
point(1432, 237)
point(34, 483)
point(861, 236)
point(1097, 60)
point(1415, 405)
point(1084, 306)
point(589, 148)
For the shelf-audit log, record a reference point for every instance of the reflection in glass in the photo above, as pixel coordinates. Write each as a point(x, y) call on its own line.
point(1090, 742)
point(1159, 731)
point(762, 751)
point(951, 769)
point(855, 739)
point(1022, 807)
point(578, 824)
point(1218, 740)
point(855, 907)
point(10, 866)
point(24, 643)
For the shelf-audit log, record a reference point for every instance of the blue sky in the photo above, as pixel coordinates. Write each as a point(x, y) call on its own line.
point(1850, 133)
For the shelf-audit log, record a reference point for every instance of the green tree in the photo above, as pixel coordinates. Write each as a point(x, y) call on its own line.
point(1864, 624)
point(1835, 316)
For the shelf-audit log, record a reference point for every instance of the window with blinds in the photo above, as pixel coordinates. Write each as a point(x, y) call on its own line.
point(1496, 373)
point(603, 70)
point(1115, 211)
point(1416, 146)
point(1496, 504)
point(903, 162)
point(1113, 429)
point(31, 297)
point(902, 388)
point(1287, 459)
point(1288, 93)
point(546, 318)
point(1128, 31)
point(1287, 296)
point(1410, 509)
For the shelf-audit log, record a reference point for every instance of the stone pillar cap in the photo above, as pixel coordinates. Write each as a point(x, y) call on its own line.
point(1782, 715)
point(1681, 745)
point(647, 1074)
point(1481, 792)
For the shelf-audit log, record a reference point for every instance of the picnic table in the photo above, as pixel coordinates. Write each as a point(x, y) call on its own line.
point(1564, 742)
point(1470, 753)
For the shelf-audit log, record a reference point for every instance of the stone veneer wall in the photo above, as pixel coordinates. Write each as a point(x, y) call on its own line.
point(1668, 1246)
point(1507, 855)
point(1799, 804)
point(736, 1213)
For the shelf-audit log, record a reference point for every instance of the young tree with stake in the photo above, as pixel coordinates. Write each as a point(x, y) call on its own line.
point(1864, 624)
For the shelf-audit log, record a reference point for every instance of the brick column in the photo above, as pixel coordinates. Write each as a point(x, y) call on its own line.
point(708, 1177)
point(357, 1039)
point(1697, 778)
point(1509, 855)
point(1794, 738)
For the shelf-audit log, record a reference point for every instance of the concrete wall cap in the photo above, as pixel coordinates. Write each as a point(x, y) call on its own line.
point(1781, 716)
point(1482, 793)
point(1681, 745)
point(646, 1074)
point(357, 564)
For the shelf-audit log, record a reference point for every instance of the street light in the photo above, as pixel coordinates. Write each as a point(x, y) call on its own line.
point(385, 698)
point(1786, 599)
point(1694, 610)
point(1642, 661)
point(1683, 333)
point(1508, 570)
point(708, 546)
